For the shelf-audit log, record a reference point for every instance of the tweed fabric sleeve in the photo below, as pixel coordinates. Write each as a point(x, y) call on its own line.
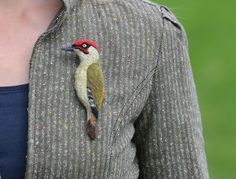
point(168, 132)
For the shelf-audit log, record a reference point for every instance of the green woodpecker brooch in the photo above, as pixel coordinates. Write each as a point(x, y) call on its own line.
point(89, 81)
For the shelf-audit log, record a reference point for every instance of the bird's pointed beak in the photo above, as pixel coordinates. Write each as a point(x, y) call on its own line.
point(67, 48)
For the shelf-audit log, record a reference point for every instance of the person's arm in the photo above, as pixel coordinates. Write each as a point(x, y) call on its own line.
point(168, 132)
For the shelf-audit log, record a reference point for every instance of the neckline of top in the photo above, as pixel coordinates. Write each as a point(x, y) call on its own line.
point(14, 88)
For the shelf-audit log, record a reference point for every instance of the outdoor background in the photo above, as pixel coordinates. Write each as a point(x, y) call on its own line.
point(211, 30)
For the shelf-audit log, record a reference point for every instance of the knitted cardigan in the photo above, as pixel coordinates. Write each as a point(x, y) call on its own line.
point(150, 123)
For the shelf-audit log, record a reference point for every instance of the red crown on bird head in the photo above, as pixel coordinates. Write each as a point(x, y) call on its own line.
point(89, 42)
point(82, 45)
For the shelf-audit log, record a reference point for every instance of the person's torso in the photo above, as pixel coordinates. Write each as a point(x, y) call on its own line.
point(58, 146)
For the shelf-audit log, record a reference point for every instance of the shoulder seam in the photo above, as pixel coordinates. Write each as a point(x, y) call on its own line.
point(167, 14)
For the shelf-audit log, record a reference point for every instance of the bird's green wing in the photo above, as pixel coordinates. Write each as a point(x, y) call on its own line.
point(95, 82)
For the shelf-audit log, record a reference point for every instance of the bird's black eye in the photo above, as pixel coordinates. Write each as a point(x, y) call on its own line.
point(84, 45)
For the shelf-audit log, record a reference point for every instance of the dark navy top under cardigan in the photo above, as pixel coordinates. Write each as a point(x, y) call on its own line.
point(13, 131)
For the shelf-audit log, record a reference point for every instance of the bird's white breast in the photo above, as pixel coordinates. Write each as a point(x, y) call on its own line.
point(81, 84)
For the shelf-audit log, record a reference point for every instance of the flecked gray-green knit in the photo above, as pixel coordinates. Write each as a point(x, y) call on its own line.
point(150, 124)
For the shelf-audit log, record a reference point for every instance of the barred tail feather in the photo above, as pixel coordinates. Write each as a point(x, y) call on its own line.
point(92, 116)
point(93, 105)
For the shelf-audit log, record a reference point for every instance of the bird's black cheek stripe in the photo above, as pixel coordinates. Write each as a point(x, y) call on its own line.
point(84, 50)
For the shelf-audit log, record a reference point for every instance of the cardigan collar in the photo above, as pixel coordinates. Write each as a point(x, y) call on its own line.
point(69, 3)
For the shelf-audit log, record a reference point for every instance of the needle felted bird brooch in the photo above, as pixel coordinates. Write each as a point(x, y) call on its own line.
point(89, 80)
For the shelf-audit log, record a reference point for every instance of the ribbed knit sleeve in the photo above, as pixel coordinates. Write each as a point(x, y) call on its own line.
point(168, 132)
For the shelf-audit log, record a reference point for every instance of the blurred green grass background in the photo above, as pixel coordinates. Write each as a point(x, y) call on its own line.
point(211, 29)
